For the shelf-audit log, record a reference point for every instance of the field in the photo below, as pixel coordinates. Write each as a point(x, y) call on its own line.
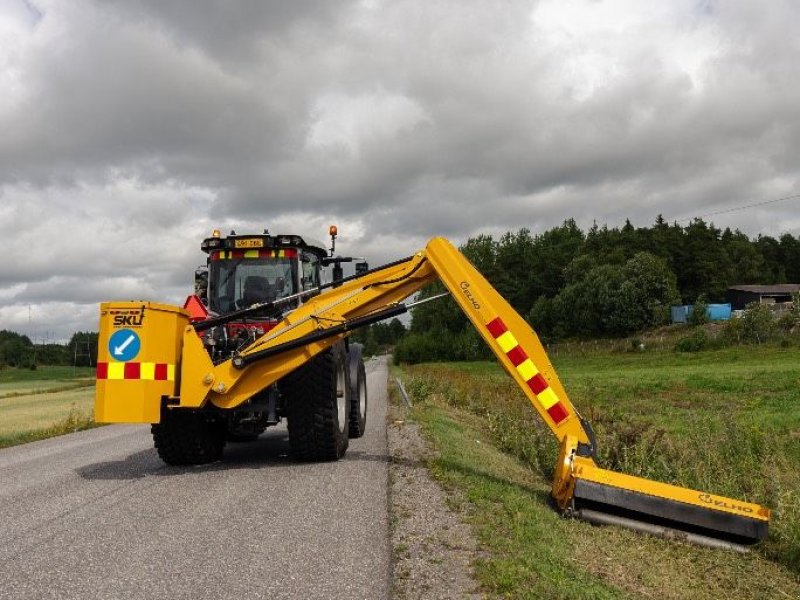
point(42, 403)
point(726, 422)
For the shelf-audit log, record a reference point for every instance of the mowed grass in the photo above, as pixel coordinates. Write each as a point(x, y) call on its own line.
point(726, 422)
point(60, 401)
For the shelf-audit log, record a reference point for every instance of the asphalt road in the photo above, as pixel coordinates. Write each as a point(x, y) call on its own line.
point(96, 514)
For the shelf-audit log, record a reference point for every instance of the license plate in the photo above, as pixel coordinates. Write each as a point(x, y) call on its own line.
point(256, 243)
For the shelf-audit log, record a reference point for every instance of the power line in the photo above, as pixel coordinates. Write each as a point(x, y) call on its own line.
point(737, 208)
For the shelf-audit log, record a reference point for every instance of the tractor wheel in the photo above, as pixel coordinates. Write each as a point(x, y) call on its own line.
point(358, 402)
point(316, 402)
point(188, 437)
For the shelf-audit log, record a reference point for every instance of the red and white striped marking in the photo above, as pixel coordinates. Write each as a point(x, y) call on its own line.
point(527, 370)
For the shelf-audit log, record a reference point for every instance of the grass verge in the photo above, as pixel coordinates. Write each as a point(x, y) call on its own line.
point(74, 421)
point(723, 422)
point(53, 404)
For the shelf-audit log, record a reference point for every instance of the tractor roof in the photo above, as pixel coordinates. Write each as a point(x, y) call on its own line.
point(262, 240)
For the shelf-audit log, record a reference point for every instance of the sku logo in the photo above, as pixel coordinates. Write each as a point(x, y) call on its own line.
point(465, 288)
point(132, 319)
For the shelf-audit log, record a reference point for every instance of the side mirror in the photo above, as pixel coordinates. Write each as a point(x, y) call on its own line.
point(201, 282)
point(338, 273)
point(361, 268)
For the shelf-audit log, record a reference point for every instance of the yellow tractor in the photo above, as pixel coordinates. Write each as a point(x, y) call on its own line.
point(252, 352)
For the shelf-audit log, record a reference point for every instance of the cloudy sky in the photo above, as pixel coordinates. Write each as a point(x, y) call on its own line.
point(130, 128)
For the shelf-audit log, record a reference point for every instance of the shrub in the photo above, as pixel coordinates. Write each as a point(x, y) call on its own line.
point(699, 314)
point(758, 323)
point(732, 332)
point(694, 342)
point(438, 345)
point(786, 322)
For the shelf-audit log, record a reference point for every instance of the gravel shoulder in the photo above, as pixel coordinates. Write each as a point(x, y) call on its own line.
point(433, 549)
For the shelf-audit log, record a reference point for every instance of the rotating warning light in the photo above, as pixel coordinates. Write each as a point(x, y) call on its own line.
point(333, 230)
point(216, 233)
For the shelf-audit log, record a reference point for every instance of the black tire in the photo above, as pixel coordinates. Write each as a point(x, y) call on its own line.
point(189, 437)
point(316, 403)
point(358, 402)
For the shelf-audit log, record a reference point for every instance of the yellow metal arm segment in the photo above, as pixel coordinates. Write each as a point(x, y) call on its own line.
point(512, 340)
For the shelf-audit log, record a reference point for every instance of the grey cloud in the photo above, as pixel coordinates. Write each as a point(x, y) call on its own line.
point(130, 129)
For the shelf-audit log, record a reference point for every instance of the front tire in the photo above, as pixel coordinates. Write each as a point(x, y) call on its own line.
point(188, 437)
point(316, 402)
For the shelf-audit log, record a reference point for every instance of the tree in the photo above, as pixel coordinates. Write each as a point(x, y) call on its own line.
point(615, 300)
point(15, 350)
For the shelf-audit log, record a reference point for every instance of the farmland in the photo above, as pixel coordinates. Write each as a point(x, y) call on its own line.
point(726, 421)
point(40, 403)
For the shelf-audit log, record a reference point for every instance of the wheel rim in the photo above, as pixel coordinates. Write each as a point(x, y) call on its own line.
point(341, 397)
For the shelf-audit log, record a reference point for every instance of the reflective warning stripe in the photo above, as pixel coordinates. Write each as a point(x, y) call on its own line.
point(144, 371)
point(527, 370)
point(237, 254)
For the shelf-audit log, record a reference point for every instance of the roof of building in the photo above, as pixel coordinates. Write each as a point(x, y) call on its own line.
point(782, 288)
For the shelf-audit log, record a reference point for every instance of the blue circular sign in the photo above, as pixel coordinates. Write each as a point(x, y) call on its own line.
point(124, 345)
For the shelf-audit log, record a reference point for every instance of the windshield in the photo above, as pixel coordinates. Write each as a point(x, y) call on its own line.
point(241, 281)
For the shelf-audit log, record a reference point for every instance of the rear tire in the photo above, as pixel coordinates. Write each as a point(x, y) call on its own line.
point(318, 411)
point(188, 437)
point(358, 402)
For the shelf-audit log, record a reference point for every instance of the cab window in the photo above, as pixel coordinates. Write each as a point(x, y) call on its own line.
point(310, 271)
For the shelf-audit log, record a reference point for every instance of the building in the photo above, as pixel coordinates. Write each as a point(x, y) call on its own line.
point(741, 295)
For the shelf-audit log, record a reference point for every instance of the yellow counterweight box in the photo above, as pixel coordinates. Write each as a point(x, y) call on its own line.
point(138, 358)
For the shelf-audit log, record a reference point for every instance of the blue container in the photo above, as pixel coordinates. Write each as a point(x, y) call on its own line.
point(719, 312)
point(715, 312)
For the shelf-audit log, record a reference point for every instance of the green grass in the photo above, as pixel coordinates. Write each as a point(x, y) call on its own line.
point(727, 422)
point(54, 404)
point(14, 375)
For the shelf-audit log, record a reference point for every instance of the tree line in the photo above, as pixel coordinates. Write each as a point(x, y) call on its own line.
point(18, 350)
point(604, 282)
point(568, 283)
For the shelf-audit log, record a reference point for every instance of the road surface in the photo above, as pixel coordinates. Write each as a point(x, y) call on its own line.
point(96, 514)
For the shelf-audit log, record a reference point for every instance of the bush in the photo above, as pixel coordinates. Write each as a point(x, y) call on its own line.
point(694, 342)
point(758, 323)
point(732, 332)
point(787, 322)
point(438, 345)
point(699, 314)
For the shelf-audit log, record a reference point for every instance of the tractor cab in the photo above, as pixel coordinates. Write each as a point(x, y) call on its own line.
point(243, 270)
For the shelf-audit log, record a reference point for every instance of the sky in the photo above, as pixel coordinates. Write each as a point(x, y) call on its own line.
point(129, 129)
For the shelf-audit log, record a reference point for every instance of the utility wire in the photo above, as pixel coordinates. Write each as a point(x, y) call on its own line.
point(737, 208)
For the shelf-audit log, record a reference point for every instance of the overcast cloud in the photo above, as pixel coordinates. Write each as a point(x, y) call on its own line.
point(129, 129)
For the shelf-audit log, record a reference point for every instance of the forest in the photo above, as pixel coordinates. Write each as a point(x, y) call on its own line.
point(18, 350)
point(604, 282)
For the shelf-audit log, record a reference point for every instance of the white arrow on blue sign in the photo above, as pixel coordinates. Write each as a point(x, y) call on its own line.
point(124, 345)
